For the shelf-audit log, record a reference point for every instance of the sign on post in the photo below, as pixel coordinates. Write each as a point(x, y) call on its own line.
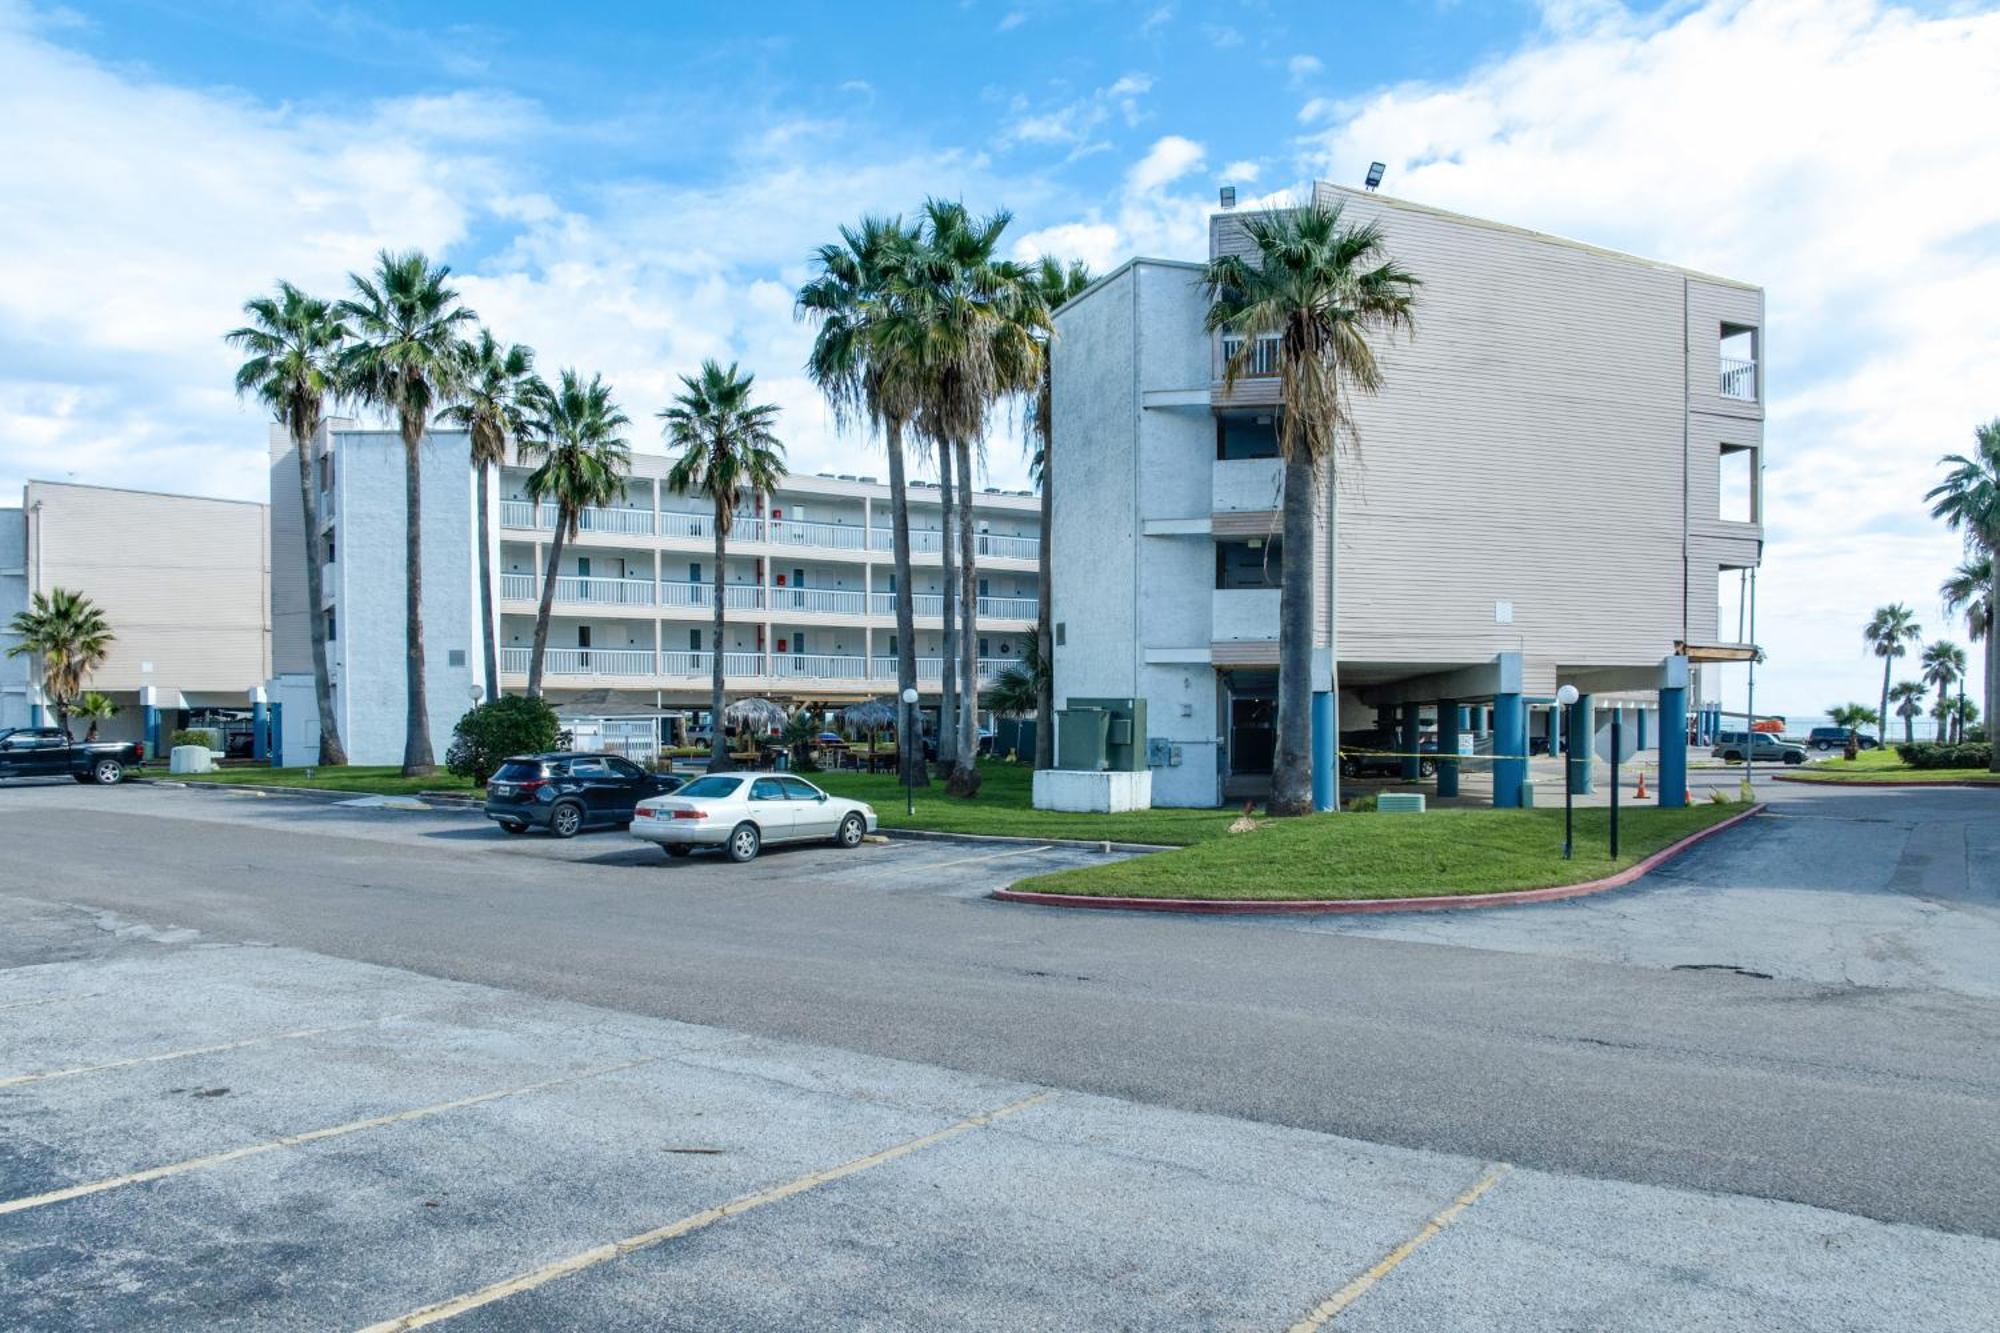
point(1626, 749)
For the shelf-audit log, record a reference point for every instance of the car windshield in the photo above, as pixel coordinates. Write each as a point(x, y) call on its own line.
point(714, 785)
point(518, 770)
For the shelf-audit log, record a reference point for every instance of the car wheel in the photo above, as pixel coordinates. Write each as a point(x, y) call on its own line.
point(678, 849)
point(1822, 745)
point(108, 773)
point(1347, 769)
point(509, 826)
point(1427, 768)
point(852, 830)
point(1794, 757)
point(744, 843)
point(566, 820)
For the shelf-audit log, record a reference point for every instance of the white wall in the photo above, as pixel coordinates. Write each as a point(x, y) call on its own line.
point(16, 673)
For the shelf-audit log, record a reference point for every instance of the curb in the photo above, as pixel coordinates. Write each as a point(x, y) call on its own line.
point(1865, 782)
point(1008, 840)
point(1340, 906)
point(435, 801)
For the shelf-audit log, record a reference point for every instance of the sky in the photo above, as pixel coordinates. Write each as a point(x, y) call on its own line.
point(630, 188)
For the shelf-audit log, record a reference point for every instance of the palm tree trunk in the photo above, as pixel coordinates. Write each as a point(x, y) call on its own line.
point(1291, 773)
point(909, 732)
point(331, 752)
point(948, 667)
point(1882, 713)
point(718, 744)
point(417, 759)
point(968, 601)
point(1045, 683)
point(488, 634)
point(1992, 670)
point(539, 652)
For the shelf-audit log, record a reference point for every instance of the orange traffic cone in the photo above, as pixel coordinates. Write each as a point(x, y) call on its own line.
point(1641, 793)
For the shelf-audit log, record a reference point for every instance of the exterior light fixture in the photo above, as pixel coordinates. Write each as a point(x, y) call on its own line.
point(1566, 697)
point(1228, 196)
point(1375, 170)
point(909, 769)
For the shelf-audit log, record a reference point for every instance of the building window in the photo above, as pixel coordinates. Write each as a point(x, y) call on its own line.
point(1738, 370)
point(1736, 484)
point(1238, 437)
point(330, 635)
point(454, 657)
point(694, 640)
point(1254, 563)
point(984, 649)
point(329, 548)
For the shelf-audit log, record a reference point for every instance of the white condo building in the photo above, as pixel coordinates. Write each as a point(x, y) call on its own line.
point(809, 589)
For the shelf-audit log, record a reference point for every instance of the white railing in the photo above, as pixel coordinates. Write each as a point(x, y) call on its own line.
point(625, 521)
point(884, 668)
point(514, 661)
point(742, 664)
point(989, 667)
point(923, 541)
point(686, 525)
point(924, 605)
point(686, 663)
point(1007, 608)
point(1263, 357)
point(520, 514)
point(992, 545)
point(604, 592)
point(1739, 379)
point(517, 588)
point(597, 662)
point(735, 596)
point(819, 601)
point(816, 666)
point(794, 532)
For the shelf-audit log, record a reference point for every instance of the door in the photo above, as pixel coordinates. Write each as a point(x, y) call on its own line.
point(813, 816)
point(606, 796)
point(632, 784)
point(772, 809)
point(1253, 734)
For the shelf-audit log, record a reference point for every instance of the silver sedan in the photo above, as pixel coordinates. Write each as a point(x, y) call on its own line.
point(740, 812)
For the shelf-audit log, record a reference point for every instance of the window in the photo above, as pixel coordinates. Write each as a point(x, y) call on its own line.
point(694, 571)
point(1736, 484)
point(1238, 437)
point(694, 640)
point(583, 636)
point(1737, 372)
point(329, 548)
point(589, 768)
point(713, 787)
point(624, 768)
point(985, 648)
point(1255, 563)
point(767, 789)
point(330, 635)
point(799, 789)
point(454, 657)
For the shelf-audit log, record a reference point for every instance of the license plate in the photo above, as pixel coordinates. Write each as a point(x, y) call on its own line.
point(502, 789)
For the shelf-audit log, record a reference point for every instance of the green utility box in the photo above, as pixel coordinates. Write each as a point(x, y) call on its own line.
point(1123, 738)
point(1080, 737)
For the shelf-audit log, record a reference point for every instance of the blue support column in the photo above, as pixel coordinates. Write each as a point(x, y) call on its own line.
point(1450, 716)
point(1580, 737)
point(260, 719)
point(151, 716)
point(35, 714)
point(1406, 743)
point(1325, 749)
point(1510, 738)
point(277, 735)
point(1639, 717)
point(1673, 747)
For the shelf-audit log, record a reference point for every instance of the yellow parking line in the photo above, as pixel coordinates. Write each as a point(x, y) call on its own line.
point(294, 1140)
point(18, 1079)
point(1356, 1289)
point(618, 1249)
point(51, 999)
point(972, 860)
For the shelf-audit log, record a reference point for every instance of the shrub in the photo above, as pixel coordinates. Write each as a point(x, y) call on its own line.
point(1929, 754)
point(208, 738)
point(492, 731)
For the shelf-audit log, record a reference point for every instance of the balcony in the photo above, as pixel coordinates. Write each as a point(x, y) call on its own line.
point(736, 666)
point(701, 596)
point(526, 515)
point(1247, 485)
point(1244, 613)
point(834, 536)
point(923, 541)
point(811, 666)
point(930, 670)
point(574, 590)
point(992, 546)
point(1738, 379)
point(581, 661)
point(1263, 357)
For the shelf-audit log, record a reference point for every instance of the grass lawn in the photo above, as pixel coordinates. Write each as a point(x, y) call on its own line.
point(362, 779)
point(1002, 808)
point(1884, 766)
point(1391, 856)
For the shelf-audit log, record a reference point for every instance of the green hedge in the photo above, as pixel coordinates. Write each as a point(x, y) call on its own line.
point(1928, 754)
point(208, 738)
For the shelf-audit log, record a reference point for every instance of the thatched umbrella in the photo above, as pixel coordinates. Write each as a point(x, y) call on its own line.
point(871, 717)
point(757, 715)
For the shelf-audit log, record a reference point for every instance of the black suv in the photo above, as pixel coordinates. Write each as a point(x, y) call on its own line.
point(1835, 738)
point(1354, 764)
point(567, 793)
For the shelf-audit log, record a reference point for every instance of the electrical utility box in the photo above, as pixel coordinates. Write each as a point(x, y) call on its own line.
point(1080, 738)
point(1124, 733)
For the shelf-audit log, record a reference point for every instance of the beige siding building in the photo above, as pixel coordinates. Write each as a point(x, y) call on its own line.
point(1560, 467)
point(182, 580)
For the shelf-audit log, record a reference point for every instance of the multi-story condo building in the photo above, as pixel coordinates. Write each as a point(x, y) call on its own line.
point(809, 593)
point(1556, 482)
point(180, 578)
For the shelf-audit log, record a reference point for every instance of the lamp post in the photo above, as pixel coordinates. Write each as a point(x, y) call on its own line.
point(903, 738)
point(1567, 696)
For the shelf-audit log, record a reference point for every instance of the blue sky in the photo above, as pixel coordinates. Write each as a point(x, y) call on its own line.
point(631, 188)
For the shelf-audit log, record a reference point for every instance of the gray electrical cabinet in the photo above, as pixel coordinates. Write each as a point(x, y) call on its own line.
point(1124, 734)
point(1080, 738)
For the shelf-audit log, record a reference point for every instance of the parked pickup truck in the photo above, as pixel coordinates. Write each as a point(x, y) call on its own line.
point(48, 752)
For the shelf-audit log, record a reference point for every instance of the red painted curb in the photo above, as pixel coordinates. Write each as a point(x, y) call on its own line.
point(1324, 906)
point(1920, 782)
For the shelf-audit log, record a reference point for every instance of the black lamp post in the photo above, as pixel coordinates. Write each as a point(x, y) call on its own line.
point(909, 769)
point(1566, 697)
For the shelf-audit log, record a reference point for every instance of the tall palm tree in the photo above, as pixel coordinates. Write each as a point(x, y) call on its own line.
point(294, 344)
point(571, 433)
point(492, 413)
point(1908, 696)
point(1325, 289)
point(1853, 717)
point(1888, 634)
point(404, 361)
point(1968, 500)
point(1055, 283)
point(862, 361)
point(1970, 590)
point(1963, 713)
point(67, 631)
point(729, 451)
point(1943, 664)
point(983, 324)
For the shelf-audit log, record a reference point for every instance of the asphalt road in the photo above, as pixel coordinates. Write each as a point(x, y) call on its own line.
point(1874, 1101)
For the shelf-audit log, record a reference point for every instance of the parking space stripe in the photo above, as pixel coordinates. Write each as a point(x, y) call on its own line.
point(618, 1249)
point(17, 1079)
point(1355, 1290)
point(310, 1136)
point(50, 999)
point(974, 860)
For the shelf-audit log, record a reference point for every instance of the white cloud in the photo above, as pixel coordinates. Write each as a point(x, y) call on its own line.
point(1156, 20)
point(1243, 172)
point(1301, 68)
point(1148, 216)
point(1075, 122)
point(1842, 155)
point(1014, 18)
point(1167, 161)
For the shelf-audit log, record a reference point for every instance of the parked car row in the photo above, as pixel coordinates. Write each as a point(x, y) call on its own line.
point(1761, 746)
point(737, 813)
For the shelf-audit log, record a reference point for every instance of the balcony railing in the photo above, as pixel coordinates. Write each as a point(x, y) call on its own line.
point(1739, 379)
point(923, 541)
point(993, 546)
point(1263, 357)
point(792, 532)
point(579, 590)
point(812, 666)
point(693, 665)
point(522, 515)
point(622, 521)
point(1007, 608)
point(736, 596)
point(819, 601)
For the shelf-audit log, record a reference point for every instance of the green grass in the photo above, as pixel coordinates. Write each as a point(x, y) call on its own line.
point(362, 779)
point(1002, 809)
point(1884, 766)
point(1391, 856)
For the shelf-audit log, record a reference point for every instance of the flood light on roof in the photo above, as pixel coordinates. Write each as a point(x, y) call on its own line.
point(1375, 170)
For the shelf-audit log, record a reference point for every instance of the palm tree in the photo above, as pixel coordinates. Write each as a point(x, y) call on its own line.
point(405, 362)
point(1055, 284)
point(1968, 500)
point(729, 451)
point(1017, 689)
point(1970, 590)
point(1888, 634)
point(1853, 717)
point(1963, 714)
point(1943, 663)
point(294, 342)
point(492, 413)
point(1324, 289)
point(983, 323)
point(98, 708)
point(862, 361)
point(67, 631)
point(1908, 696)
point(571, 433)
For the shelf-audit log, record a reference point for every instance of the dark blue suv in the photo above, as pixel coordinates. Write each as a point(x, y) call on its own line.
point(565, 794)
